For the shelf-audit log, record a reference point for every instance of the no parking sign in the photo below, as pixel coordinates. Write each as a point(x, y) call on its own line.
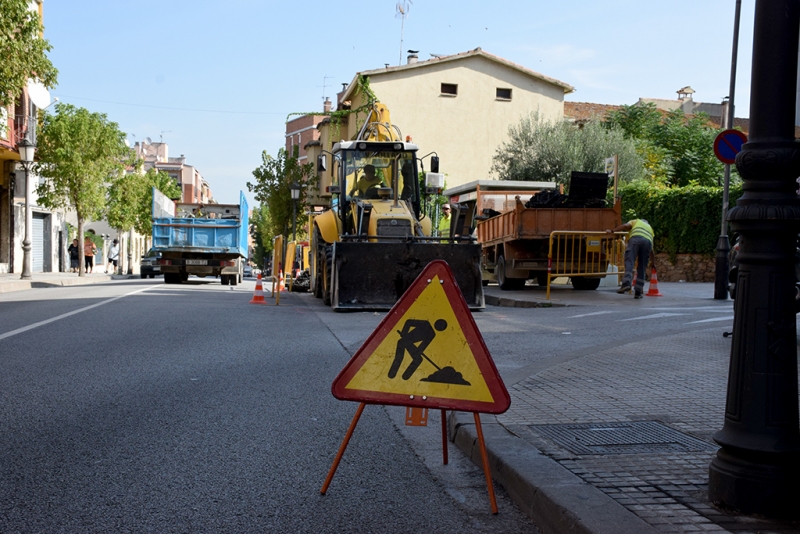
point(727, 144)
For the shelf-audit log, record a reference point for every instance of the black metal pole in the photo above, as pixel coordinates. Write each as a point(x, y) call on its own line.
point(757, 470)
point(723, 244)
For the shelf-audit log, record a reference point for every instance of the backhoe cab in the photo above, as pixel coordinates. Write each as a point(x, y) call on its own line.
point(374, 241)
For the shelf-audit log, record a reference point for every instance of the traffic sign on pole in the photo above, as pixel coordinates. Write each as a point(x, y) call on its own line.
point(727, 144)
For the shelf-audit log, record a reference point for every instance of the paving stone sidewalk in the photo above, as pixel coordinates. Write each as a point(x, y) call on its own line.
point(633, 423)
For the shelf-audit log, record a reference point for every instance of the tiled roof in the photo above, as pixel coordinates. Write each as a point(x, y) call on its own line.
point(455, 57)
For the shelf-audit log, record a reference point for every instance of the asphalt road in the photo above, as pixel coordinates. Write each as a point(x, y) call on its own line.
point(135, 406)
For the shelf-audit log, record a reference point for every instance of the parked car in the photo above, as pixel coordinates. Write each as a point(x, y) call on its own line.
point(149, 265)
point(248, 271)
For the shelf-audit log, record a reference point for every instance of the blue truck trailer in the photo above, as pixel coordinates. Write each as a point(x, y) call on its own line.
point(200, 239)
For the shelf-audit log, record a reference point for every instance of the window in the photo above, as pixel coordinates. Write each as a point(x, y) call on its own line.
point(449, 89)
point(503, 94)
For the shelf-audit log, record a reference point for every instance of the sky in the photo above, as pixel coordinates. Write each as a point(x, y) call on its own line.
point(216, 80)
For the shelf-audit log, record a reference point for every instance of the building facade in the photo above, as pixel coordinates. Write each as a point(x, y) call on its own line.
point(194, 188)
point(459, 106)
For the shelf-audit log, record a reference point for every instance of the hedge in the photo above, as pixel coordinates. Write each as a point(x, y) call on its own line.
point(686, 220)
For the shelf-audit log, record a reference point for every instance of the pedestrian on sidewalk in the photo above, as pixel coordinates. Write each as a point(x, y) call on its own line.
point(89, 250)
point(113, 257)
point(74, 256)
point(639, 250)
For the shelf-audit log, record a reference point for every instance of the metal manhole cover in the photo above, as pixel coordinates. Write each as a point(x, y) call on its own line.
point(621, 438)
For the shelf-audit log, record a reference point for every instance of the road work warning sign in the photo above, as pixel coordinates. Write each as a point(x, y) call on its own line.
point(427, 352)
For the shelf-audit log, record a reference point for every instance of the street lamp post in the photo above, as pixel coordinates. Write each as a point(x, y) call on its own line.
point(757, 469)
point(295, 189)
point(26, 152)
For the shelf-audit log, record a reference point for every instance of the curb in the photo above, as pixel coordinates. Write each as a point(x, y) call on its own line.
point(553, 497)
point(78, 281)
point(507, 302)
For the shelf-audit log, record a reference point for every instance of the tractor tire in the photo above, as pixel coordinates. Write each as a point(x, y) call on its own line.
point(328, 272)
point(505, 283)
point(579, 283)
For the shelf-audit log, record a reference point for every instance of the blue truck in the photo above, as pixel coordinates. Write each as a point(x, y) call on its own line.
point(200, 239)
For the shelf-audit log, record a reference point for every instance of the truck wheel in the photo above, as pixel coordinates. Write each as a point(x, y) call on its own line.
point(327, 290)
point(234, 279)
point(224, 279)
point(142, 275)
point(585, 284)
point(505, 283)
point(541, 279)
point(172, 278)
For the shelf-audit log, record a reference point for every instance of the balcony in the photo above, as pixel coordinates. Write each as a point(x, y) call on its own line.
point(12, 131)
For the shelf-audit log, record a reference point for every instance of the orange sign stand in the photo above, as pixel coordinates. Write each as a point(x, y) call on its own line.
point(427, 353)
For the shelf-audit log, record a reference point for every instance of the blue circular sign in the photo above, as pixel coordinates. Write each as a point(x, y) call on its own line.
point(728, 144)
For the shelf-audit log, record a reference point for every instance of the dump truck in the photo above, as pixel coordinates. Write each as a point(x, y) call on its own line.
point(371, 239)
point(517, 221)
point(200, 239)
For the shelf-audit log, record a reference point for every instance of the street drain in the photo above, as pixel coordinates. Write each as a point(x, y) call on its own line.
point(621, 438)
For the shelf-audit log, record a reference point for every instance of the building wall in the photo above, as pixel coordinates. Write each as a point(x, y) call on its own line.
point(301, 131)
point(467, 129)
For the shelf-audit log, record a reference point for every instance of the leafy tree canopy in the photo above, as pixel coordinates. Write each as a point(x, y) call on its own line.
point(22, 49)
point(677, 148)
point(540, 150)
point(271, 187)
point(130, 198)
point(262, 236)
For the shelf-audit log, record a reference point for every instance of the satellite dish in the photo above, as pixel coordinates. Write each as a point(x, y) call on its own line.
point(147, 141)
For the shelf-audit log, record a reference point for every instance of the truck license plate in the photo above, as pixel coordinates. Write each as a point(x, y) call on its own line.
point(196, 262)
point(156, 268)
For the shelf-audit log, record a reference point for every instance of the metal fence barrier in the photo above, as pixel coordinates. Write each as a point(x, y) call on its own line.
point(585, 254)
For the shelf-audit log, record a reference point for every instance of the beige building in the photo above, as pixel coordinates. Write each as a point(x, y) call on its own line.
point(459, 106)
point(194, 188)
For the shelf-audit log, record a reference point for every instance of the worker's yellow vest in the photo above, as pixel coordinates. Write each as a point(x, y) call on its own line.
point(640, 228)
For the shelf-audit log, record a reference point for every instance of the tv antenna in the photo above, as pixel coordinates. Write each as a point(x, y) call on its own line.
point(401, 11)
point(162, 134)
point(325, 86)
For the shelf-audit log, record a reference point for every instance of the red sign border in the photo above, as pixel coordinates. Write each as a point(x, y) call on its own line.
point(718, 140)
point(471, 333)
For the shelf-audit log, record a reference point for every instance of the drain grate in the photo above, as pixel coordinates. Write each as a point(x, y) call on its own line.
point(621, 438)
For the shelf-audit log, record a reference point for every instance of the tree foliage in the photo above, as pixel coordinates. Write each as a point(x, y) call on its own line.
point(677, 148)
point(540, 150)
point(80, 153)
point(271, 188)
point(130, 199)
point(262, 236)
point(22, 49)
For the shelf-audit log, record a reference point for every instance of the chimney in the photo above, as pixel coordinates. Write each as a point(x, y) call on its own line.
point(326, 106)
point(412, 57)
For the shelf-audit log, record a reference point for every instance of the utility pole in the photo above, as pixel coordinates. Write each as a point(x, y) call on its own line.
point(723, 245)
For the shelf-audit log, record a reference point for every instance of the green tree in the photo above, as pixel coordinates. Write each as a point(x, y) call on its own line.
point(540, 150)
point(79, 154)
point(271, 188)
point(23, 49)
point(260, 230)
point(130, 198)
point(677, 148)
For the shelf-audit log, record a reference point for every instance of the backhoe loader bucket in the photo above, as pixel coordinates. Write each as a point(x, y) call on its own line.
point(373, 276)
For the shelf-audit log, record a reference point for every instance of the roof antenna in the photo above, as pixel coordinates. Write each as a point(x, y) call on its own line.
point(402, 12)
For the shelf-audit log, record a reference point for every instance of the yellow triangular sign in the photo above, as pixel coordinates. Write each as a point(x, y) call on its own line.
point(426, 352)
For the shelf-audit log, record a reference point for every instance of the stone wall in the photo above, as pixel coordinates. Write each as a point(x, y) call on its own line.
point(687, 268)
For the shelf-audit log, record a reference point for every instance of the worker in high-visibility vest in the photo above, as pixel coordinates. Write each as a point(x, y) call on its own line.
point(444, 221)
point(639, 250)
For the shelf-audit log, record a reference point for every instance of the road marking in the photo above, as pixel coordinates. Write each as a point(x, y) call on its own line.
point(590, 314)
point(698, 308)
point(68, 314)
point(654, 316)
point(712, 320)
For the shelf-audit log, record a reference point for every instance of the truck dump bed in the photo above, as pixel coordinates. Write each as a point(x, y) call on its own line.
point(533, 223)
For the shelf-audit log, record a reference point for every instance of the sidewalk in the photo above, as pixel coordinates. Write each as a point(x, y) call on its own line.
point(11, 281)
point(617, 440)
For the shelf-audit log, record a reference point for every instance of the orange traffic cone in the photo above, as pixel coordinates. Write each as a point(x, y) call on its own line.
point(281, 286)
point(258, 296)
point(653, 291)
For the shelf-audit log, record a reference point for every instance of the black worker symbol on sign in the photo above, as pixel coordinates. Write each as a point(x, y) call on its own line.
point(415, 337)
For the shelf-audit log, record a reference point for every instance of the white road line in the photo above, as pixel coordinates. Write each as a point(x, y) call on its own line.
point(68, 314)
point(701, 308)
point(729, 318)
point(590, 314)
point(654, 316)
